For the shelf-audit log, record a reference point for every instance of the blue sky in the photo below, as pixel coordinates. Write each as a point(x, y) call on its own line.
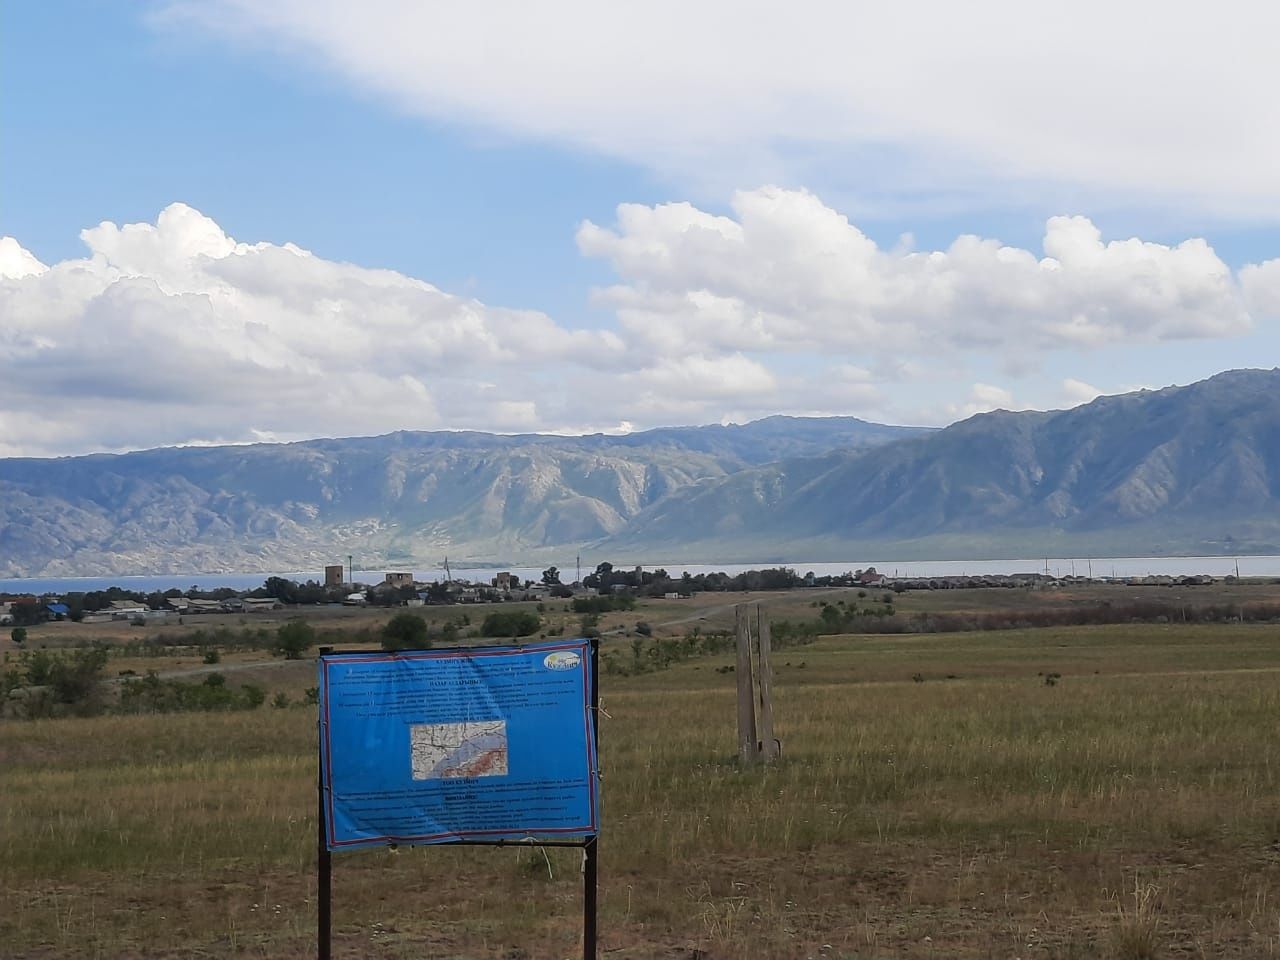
point(466, 151)
point(112, 116)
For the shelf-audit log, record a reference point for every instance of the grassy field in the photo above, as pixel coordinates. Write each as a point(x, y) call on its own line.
point(936, 798)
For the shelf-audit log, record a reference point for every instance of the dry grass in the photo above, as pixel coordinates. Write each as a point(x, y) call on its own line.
point(1136, 932)
point(988, 815)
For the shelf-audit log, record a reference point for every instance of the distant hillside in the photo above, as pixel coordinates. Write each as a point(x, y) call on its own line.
point(1184, 470)
point(404, 498)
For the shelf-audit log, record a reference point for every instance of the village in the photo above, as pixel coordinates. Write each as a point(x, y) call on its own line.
point(401, 588)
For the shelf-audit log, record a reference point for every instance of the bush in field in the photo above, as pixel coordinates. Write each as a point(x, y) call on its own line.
point(61, 683)
point(253, 696)
point(212, 655)
point(654, 653)
point(153, 695)
point(76, 677)
point(38, 667)
point(512, 624)
point(293, 639)
point(405, 631)
point(18, 634)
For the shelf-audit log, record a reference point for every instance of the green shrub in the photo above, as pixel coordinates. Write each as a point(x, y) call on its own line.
point(293, 639)
point(253, 696)
point(39, 668)
point(405, 631)
point(154, 695)
point(511, 624)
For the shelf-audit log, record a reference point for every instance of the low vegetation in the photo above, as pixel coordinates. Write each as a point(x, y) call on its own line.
point(293, 639)
point(605, 604)
point(1117, 612)
point(153, 695)
point(515, 623)
point(937, 797)
point(42, 683)
point(406, 631)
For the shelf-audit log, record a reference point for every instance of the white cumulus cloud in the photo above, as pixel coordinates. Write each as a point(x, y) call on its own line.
point(1261, 283)
point(174, 332)
point(787, 272)
point(1077, 391)
point(15, 262)
point(982, 398)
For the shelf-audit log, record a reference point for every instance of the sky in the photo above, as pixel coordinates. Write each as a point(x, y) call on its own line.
point(230, 221)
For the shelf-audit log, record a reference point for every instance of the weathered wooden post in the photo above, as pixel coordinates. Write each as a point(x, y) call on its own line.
point(747, 742)
point(769, 745)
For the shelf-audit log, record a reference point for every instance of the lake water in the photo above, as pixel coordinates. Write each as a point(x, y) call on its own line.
point(1260, 566)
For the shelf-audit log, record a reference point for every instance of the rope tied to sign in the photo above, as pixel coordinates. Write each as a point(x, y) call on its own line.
point(533, 841)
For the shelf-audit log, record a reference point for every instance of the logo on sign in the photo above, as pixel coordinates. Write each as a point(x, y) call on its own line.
point(562, 660)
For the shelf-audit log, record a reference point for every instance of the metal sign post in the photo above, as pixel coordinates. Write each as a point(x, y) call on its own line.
point(399, 732)
point(324, 873)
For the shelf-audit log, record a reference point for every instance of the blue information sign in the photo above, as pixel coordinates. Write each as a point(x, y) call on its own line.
point(464, 744)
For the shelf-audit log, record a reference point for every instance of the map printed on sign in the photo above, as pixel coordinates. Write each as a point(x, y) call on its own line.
point(441, 746)
point(459, 749)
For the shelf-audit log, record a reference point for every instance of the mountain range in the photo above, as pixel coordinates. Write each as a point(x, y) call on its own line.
point(1183, 470)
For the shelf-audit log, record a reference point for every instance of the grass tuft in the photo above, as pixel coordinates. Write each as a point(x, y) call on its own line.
point(1137, 923)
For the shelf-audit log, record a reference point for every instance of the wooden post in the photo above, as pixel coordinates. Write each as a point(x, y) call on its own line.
point(769, 747)
point(747, 743)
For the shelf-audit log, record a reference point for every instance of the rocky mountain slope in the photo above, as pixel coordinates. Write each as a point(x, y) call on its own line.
point(404, 498)
point(1183, 470)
